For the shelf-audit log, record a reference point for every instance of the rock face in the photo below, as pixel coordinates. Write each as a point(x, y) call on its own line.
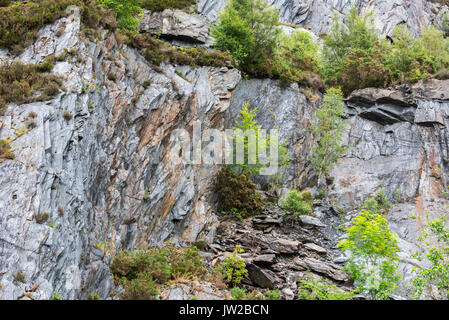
point(109, 180)
point(176, 24)
point(318, 15)
point(106, 177)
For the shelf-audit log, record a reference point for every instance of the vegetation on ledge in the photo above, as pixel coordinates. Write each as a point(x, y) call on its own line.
point(157, 51)
point(25, 83)
point(160, 5)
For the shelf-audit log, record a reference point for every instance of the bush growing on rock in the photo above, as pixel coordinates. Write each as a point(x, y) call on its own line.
point(321, 289)
point(328, 128)
point(236, 190)
point(21, 20)
point(126, 12)
point(140, 271)
point(247, 29)
point(157, 51)
point(160, 5)
point(24, 83)
point(436, 274)
point(234, 268)
point(355, 57)
point(374, 261)
point(6, 150)
point(299, 203)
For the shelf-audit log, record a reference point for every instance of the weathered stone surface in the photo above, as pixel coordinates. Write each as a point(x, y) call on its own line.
point(326, 269)
point(316, 248)
point(262, 278)
point(176, 24)
point(201, 291)
point(311, 221)
point(110, 167)
point(265, 259)
point(285, 246)
point(318, 15)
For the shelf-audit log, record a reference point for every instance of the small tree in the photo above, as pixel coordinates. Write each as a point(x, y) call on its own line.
point(357, 32)
point(437, 274)
point(374, 262)
point(328, 129)
point(247, 123)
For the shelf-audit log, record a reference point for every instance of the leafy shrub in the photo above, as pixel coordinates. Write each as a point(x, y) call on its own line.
point(160, 5)
point(238, 293)
point(297, 58)
point(143, 287)
point(374, 261)
point(273, 295)
point(357, 33)
point(234, 267)
point(321, 289)
point(236, 190)
point(383, 200)
point(139, 271)
point(299, 203)
point(354, 57)
point(24, 83)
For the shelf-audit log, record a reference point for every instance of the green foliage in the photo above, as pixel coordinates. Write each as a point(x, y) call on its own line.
point(25, 83)
point(354, 57)
point(380, 204)
point(241, 294)
point(21, 20)
point(436, 275)
point(357, 33)
point(247, 30)
point(139, 271)
point(297, 58)
point(328, 128)
point(273, 295)
point(143, 287)
point(234, 268)
point(55, 295)
point(238, 293)
point(237, 192)
point(157, 51)
point(321, 289)
point(248, 135)
point(383, 200)
point(374, 262)
point(160, 5)
point(94, 296)
point(299, 203)
point(126, 12)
